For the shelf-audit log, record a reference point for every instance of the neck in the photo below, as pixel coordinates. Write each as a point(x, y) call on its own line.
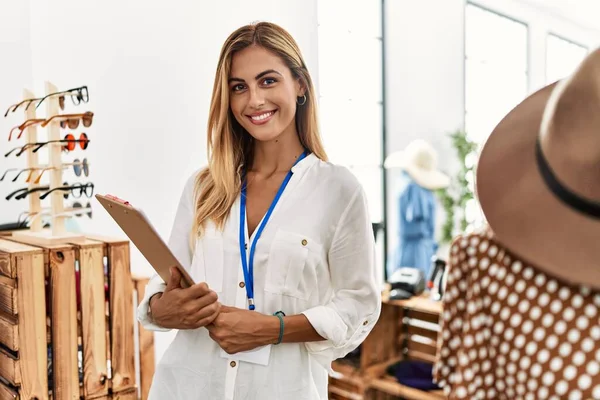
point(278, 155)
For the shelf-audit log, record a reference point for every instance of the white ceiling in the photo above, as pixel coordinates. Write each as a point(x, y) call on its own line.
point(584, 12)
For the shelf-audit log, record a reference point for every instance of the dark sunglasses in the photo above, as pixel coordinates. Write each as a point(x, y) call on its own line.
point(24, 192)
point(72, 120)
point(71, 144)
point(77, 205)
point(77, 190)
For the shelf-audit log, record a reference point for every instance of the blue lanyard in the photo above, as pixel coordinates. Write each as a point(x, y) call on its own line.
point(248, 265)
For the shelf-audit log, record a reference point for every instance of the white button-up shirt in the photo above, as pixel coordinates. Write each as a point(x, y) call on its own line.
point(315, 256)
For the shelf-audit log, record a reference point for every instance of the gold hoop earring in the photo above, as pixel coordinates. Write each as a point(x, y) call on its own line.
point(303, 100)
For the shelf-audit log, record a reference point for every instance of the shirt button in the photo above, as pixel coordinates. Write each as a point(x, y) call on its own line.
point(304, 242)
point(242, 284)
point(232, 364)
point(366, 323)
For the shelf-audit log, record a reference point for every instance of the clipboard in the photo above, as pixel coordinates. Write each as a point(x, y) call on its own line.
point(138, 228)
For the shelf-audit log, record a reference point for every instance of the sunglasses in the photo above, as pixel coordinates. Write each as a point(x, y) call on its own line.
point(69, 139)
point(79, 167)
point(24, 192)
point(78, 208)
point(21, 128)
point(15, 107)
point(77, 190)
point(72, 120)
point(78, 95)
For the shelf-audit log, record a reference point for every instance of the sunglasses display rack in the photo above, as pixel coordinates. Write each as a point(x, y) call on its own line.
point(57, 233)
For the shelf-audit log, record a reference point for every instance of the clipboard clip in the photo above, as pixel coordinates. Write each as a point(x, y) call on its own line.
point(118, 200)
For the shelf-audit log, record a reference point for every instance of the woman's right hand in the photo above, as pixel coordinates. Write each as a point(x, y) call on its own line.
point(179, 308)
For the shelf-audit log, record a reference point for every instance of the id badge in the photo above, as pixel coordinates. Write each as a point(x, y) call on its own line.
point(259, 356)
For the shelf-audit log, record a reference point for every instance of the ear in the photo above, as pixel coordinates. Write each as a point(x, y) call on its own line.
point(300, 87)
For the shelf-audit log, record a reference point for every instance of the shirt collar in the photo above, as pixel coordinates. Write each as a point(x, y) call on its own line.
point(305, 163)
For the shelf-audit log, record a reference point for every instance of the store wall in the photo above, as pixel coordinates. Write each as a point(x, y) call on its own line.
point(15, 74)
point(149, 66)
point(425, 72)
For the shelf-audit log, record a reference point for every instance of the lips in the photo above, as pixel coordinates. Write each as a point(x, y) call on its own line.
point(261, 118)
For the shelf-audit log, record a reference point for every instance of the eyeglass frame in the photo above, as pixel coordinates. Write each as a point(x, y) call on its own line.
point(82, 187)
point(79, 94)
point(81, 98)
point(83, 164)
point(23, 126)
point(64, 120)
point(83, 138)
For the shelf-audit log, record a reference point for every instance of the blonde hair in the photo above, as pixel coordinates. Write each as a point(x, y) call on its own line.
point(229, 146)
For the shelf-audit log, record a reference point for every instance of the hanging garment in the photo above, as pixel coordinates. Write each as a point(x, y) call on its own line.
point(416, 225)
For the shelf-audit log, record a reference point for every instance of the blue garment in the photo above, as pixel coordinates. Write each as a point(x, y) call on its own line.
point(416, 226)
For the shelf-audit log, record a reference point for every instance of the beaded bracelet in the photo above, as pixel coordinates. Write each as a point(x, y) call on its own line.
point(280, 315)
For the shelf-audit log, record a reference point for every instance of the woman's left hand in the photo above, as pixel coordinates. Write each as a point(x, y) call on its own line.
point(237, 330)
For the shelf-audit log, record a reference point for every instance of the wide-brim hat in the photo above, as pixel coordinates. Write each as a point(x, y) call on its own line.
point(538, 177)
point(419, 160)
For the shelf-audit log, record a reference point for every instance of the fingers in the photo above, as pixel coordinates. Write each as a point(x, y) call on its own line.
point(174, 280)
point(204, 301)
point(198, 290)
point(206, 316)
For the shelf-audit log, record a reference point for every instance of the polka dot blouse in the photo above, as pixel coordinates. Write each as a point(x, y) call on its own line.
point(509, 331)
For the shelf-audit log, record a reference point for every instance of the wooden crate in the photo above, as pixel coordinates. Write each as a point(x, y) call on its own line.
point(406, 329)
point(146, 345)
point(85, 336)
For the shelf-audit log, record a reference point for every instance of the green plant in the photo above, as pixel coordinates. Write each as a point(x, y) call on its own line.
point(455, 197)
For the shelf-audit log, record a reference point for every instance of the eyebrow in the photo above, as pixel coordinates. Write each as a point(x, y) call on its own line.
point(257, 77)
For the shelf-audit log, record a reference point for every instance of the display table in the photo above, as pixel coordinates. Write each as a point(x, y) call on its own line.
point(406, 330)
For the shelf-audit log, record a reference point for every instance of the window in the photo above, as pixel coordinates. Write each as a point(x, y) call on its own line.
point(350, 91)
point(351, 95)
point(562, 57)
point(496, 77)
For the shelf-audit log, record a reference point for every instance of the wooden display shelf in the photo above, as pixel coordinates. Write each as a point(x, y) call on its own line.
point(406, 329)
point(389, 385)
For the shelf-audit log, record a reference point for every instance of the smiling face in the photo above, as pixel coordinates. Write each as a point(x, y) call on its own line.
point(263, 94)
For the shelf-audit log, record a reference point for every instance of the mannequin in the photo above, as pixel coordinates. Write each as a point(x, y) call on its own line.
point(416, 206)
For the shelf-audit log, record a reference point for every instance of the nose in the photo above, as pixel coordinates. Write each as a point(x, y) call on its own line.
point(256, 98)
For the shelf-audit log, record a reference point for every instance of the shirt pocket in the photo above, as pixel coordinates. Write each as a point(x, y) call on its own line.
point(207, 264)
point(291, 268)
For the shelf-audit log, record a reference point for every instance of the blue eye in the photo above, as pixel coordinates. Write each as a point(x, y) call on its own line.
point(269, 81)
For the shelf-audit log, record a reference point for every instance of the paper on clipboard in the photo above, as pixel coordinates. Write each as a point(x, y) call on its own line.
point(136, 225)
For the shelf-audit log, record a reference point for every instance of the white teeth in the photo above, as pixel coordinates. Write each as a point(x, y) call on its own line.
point(262, 116)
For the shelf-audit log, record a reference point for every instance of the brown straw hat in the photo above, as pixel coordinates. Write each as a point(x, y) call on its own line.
point(538, 177)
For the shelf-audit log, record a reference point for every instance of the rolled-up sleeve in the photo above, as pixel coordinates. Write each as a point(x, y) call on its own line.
point(355, 305)
point(179, 243)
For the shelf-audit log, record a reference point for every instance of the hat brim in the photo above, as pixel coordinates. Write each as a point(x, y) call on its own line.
point(431, 180)
point(523, 213)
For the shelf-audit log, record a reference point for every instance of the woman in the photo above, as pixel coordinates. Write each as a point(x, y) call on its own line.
point(522, 302)
point(267, 324)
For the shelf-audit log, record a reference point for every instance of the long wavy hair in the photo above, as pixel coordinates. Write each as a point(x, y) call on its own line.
point(229, 145)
